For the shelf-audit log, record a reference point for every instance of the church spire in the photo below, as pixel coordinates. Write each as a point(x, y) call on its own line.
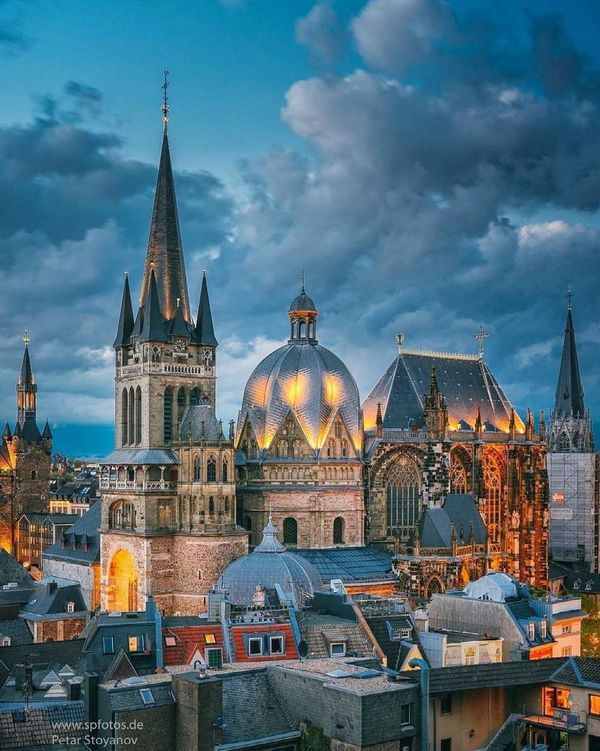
point(27, 398)
point(164, 243)
point(569, 392)
point(125, 326)
point(153, 329)
point(205, 332)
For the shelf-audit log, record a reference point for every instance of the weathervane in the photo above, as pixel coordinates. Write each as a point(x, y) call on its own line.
point(569, 296)
point(481, 336)
point(26, 337)
point(165, 105)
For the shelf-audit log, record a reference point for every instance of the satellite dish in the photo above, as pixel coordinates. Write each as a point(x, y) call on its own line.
point(303, 649)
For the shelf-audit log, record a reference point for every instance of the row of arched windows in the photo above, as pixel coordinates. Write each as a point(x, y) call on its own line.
point(290, 530)
point(131, 416)
point(211, 469)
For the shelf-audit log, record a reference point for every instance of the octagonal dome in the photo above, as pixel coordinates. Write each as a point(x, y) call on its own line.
point(269, 564)
point(306, 379)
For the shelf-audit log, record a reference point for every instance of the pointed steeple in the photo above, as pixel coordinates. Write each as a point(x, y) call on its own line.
point(164, 244)
point(47, 433)
point(569, 392)
point(26, 376)
point(136, 332)
point(125, 326)
point(153, 329)
point(6, 434)
point(26, 389)
point(205, 332)
point(179, 326)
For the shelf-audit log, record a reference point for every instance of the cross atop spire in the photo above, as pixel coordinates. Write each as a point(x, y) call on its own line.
point(26, 337)
point(481, 336)
point(570, 297)
point(165, 105)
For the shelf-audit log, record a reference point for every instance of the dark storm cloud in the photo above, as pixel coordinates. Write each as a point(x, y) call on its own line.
point(455, 181)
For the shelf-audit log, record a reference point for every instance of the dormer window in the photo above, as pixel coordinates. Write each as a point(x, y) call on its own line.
point(531, 631)
point(70, 607)
point(337, 648)
point(543, 629)
point(5, 642)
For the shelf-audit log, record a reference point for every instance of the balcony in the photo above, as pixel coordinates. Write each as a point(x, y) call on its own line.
point(133, 486)
point(163, 367)
point(560, 719)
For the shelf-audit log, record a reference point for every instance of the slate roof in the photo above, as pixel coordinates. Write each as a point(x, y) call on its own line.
point(569, 391)
point(47, 601)
point(302, 302)
point(125, 326)
point(352, 565)
point(252, 709)
point(200, 423)
point(12, 571)
point(582, 582)
point(141, 456)
point(204, 333)
point(17, 630)
point(579, 671)
point(435, 524)
point(465, 381)
point(385, 628)
point(57, 519)
point(83, 532)
point(319, 631)
point(38, 725)
point(41, 653)
point(126, 698)
point(164, 255)
point(120, 628)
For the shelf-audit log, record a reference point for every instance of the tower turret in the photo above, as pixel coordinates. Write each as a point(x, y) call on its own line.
point(27, 399)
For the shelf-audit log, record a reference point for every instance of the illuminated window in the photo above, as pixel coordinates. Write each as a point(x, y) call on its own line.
point(403, 489)
point(594, 704)
point(136, 643)
point(492, 477)
point(209, 638)
point(555, 698)
point(566, 652)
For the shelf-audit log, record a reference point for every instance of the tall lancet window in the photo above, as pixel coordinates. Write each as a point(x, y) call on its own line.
point(138, 415)
point(124, 418)
point(180, 404)
point(403, 498)
point(168, 415)
point(131, 419)
point(458, 477)
point(492, 506)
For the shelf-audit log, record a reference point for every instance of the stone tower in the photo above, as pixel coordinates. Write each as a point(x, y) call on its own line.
point(168, 516)
point(25, 458)
point(572, 466)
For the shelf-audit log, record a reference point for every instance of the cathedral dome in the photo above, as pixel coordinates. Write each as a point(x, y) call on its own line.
point(305, 379)
point(269, 564)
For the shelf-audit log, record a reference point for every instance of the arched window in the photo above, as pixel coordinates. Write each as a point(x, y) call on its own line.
point(197, 469)
point(338, 531)
point(121, 515)
point(290, 531)
point(33, 474)
point(155, 357)
point(492, 505)
point(131, 418)
point(211, 505)
point(564, 445)
point(195, 396)
point(403, 498)
point(458, 476)
point(138, 415)
point(331, 447)
point(344, 447)
point(124, 416)
point(211, 469)
point(225, 471)
point(338, 429)
point(301, 329)
point(180, 404)
point(168, 414)
point(226, 504)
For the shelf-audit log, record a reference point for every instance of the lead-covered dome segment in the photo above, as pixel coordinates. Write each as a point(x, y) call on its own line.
point(305, 379)
point(270, 564)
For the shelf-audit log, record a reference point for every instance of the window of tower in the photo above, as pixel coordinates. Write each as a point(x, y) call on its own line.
point(180, 404)
point(155, 357)
point(197, 469)
point(458, 475)
point(403, 498)
point(138, 415)
point(211, 469)
point(301, 329)
point(124, 417)
point(564, 445)
point(225, 471)
point(344, 447)
point(195, 396)
point(290, 531)
point(338, 429)
point(131, 418)
point(211, 505)
point(226, 504)
point(338, 531)
point(168, 415)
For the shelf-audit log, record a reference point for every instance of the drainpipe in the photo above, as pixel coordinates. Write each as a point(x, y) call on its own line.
point(152, 612)
point(424, 668)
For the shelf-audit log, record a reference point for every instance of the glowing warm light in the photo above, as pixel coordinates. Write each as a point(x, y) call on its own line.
point(122, 582)
point(294, 390)
point(333, 389)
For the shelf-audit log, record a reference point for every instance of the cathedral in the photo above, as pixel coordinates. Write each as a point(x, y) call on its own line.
point(25, 458)
point(435, 466)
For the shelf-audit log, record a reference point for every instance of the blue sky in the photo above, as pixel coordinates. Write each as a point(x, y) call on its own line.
point(433, 166)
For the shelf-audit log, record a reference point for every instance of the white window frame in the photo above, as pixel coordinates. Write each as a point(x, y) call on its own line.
point(279, 638)
point(253, 640)
point(6, 641)
point(147, 696)
point(70, 607)
point(531, 631)
point(543, 629)
point(170, 638)
point(341, 644)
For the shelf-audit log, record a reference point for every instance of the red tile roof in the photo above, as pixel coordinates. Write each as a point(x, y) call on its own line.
point(239, 648)
point(189, 638)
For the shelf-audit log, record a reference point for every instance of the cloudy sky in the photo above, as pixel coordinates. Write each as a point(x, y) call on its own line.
point(432, 166)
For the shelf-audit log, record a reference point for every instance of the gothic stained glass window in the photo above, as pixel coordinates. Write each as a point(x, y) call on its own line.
point(211, 469)
point(458, 476)
point(492, 479)
point(403, 498)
